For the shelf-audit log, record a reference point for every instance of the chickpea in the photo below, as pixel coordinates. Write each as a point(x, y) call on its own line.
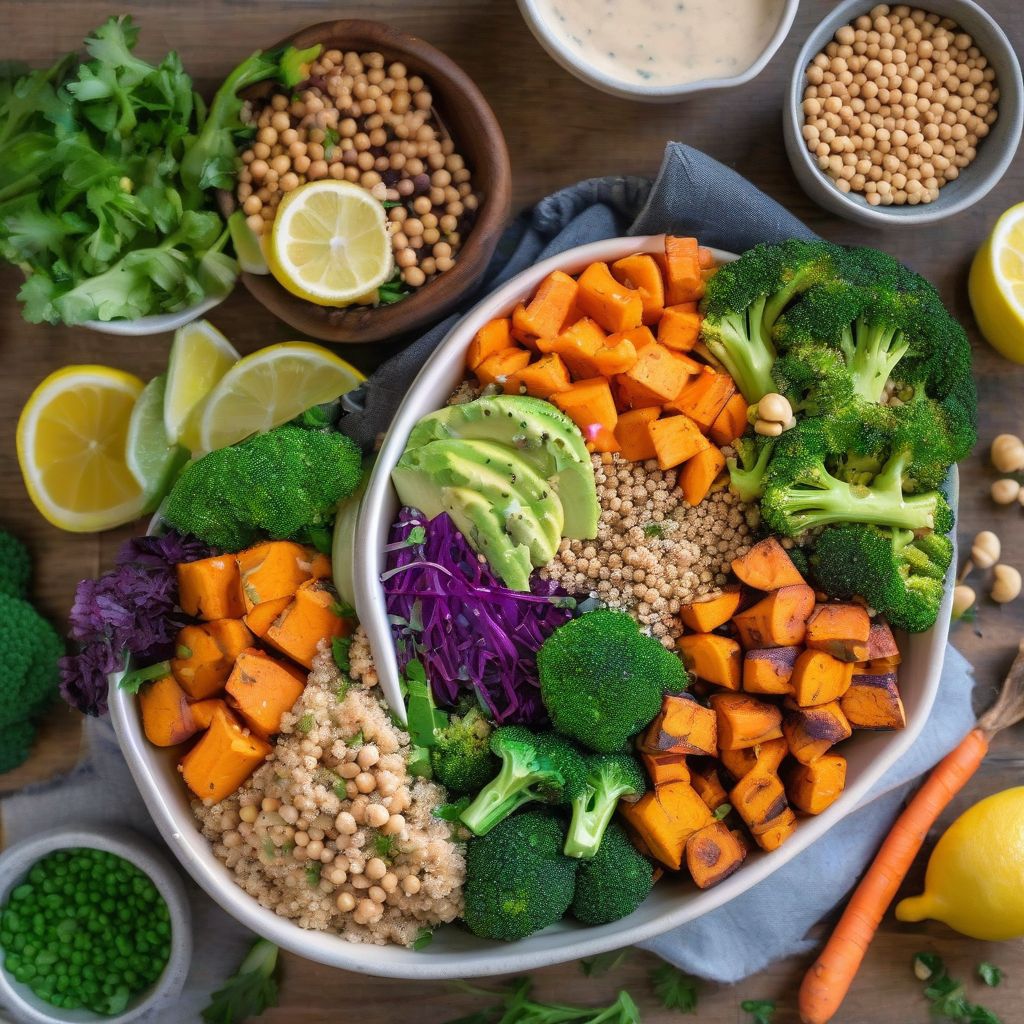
point(1007, 453)
point(985, 550)
point(1006, 584)
point(775, 408)
point(415, 278)
point(1006, 491)
point(377, 815)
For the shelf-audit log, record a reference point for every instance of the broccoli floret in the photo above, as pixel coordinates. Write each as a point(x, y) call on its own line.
point(274, 484)
point(534, 766)
point(609, 778)
point(461, 757)
point(15, 566)
point(746, 476)
point(602, 681)
point(613, 883)
point(801, 492)
point(745, 298)
point(896, 574)
point(517, 878)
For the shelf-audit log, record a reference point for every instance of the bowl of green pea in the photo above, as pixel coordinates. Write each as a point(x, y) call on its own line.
point(94, 926)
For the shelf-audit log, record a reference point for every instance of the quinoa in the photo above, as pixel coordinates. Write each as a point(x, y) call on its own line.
point(331, 831)
point(653, 552)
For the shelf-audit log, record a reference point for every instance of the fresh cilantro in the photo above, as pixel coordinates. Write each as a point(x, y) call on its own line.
point(356, 740)
point(313, 874)
point(343, 610)
point(340, 647)
point(305, 723)
point(452, 811)
point(384, 846)
point(722, 811)
point(331, 139)
point(515, 1006)
point(132, 681)
point(761, 1010)
point(948, 996)
point(990, 974)
point(676, 990)
point(424, 937)
point(250, 991)
point(269, 849)
point(393, 290)
point(417, 535)
point(389, 204)
point(654, 530)
point(596, 966)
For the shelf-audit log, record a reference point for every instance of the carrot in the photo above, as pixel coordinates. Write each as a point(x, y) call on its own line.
point(826, 983)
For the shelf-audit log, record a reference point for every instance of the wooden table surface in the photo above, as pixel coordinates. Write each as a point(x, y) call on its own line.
point(558, 131)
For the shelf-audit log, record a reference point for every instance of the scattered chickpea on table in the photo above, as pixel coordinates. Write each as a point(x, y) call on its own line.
point(362, 120)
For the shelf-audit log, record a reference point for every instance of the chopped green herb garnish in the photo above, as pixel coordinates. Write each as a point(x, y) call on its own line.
point(596, 966)
point(305, 723)
point(317, 417)
point(722, 811)
point(948, 996)
point(356, 740)
point(340, 647)
point(761, 1010)
point(132, 681)
point(515, 1006)
point(676, 990)
point(654, 530)
point(331, 139)
point(423, 939)
point(250, 991)
point(269, 849)
point(181, 651)
point(990, 974)
point(313, 874)
point(385, 846)
point(393, 290)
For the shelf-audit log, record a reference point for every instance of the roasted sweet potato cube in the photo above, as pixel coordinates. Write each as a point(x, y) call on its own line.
point(882, 644)
point(263, 689)
point(641, 273)
point(210, 589)
point(873, 702)
point(776, 832)
point(589, 404)
point(812, 788)
point(839, 629)
point(496, 368)
point(767, 566)
point(758, 798)
point(770, 755)
point(811, 732)
point(203, 711)
point(744, 721)
point(542, 378)
point(769, 669)
point(707, 782)
point(818, 678)
point(713, 658)
point(738, 762)
point(223, 759)
point(614, 306)
point(577, 346)
point(682, 727)
point(545, 313)
point(664, 767)
point(698, 474)
point(679, 327)
point(631, 431)
point(264, 615)
point(704, 396)
point(708, 614)
point(167, 717)
point(684, 281)
point(731, 422)
point(777, 620)
point(311, 617)
point(675, 439)
point(204, 654)
point(492, 337)
point(713, 854)
point(665, 818)
point(657, 376)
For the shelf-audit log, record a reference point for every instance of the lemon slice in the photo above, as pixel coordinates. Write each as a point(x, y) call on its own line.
point(72, 437)
point(270, 387)
point(200, 356)
point(996, 285)
point(330, 243)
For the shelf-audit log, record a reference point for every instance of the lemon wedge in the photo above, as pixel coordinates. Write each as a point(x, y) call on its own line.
point(996, 285)
point(270, 387)
point(72, 437)
point(200, 356)
point(330, 243)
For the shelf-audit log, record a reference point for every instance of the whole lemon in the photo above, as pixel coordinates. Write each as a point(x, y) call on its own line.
point(975, 877)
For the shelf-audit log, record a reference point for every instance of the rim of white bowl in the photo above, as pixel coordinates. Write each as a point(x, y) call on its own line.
point(158, 323)
point(593, 76)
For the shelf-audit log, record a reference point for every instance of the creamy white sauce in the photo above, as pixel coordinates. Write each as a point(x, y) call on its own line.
point(663, 42)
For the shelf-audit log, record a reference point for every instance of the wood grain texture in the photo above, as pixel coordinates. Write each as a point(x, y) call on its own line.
point(558, 131)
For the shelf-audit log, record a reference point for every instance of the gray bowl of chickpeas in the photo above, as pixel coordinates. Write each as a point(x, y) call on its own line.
point(902, 115)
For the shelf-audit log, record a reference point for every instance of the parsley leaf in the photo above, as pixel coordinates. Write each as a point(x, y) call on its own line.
point(423, 939)
point(990, 974)
point(305, 723)
point(677, 991)
point(596, 966)
point(514, 1006)
point(722, 811)
point(313, 874)
point(761, 1010)
point(250, 991)
point(132, 681)
point(948, 996)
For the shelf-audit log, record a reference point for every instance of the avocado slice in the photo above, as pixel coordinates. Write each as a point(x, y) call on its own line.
point(476, 519)
point(524, 502)
point(540, 434)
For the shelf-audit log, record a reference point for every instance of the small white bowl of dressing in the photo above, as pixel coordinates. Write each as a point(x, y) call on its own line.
point(658, 51)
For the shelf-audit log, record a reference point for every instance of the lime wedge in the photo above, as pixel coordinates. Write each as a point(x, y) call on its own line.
point(247, 245)
point(200, 356)
point(152, 459)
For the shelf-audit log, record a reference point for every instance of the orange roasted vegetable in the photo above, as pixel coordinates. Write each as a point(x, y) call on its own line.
point(203, 711)
point(704, 397)
point(210, 588)
point(657, 376)
point(222, 759)
point(778, 620)
point(497, 367)
point(699, 473)
point(665, 818)
point(679, 327)
point(873, 701)
point(542, 378)
point(311, 617)
point(676, 439)
point(812, 788)
point(204, 654)
point(664, 767)
point(882, 647)
point(682, 727)
point(713, 854)
point(631, 431)
point(643, 274)
point(840, 629)
point(683, 279)
point(519, 334)
point(731, 422)
point(263, 616)
point(818, 678)
point(589, 404)
point(810, 732)
point(272, 570)
point(545, 313)
point(769, 669)
point(263, 689)
point(713, 658)
point(744, 721)
point(759, 798)
point(706, 781)
point(766, 566)
point(614, 306)
point(578, 346)
point(167, 718)
point(776, 832)
point(766, 757)
point(492, 337)
point(707, 615)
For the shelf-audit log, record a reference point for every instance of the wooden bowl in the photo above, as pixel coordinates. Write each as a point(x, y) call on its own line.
point(478, 137)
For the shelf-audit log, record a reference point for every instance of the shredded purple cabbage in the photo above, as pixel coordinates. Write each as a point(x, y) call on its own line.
point(449, 610)
point(131, 610)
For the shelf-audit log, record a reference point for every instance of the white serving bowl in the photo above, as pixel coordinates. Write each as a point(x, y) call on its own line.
point(16, 862)
point(158, 323)
point(454, 953)
point(555, 46)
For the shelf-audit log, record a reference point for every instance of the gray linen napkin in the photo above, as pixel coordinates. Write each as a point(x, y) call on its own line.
point(692, 194)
